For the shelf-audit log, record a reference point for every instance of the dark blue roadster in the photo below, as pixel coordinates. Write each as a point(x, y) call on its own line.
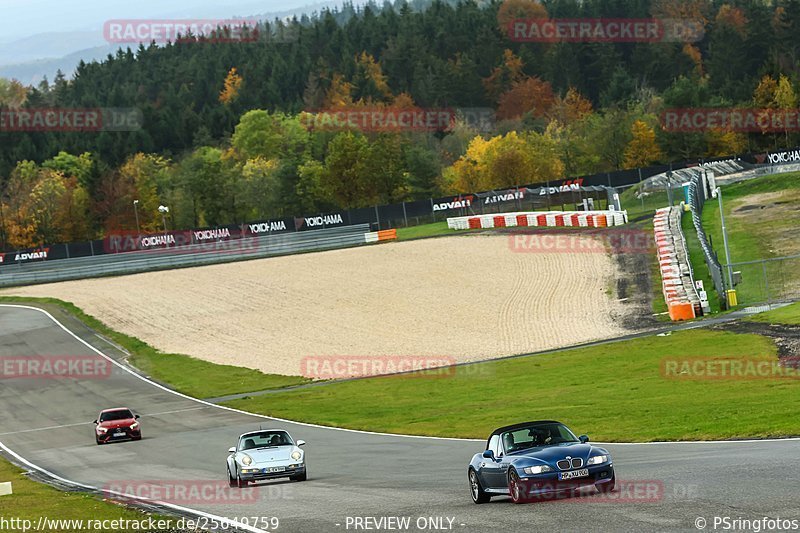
point(538, 458)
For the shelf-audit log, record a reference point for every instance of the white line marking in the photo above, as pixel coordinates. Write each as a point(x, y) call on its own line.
point(362, 432)
point(48, 428)
point(195, 512)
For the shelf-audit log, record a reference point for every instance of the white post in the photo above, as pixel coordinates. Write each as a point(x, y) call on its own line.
point(725, 239)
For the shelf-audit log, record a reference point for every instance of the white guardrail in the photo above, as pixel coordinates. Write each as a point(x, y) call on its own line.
point(189, 255)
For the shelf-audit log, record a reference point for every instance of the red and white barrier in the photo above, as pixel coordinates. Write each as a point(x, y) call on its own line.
point(677, 283)
point(550, 219)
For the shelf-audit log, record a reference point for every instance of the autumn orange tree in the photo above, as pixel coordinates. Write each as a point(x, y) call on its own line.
point(504, 75)
point(233, 84)
point(529, 95)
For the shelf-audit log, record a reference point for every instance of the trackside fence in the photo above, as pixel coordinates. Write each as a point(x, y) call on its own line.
point(700, 188)
point(776, 279)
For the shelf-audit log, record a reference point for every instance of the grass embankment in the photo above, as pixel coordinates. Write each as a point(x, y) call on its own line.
point(613, 392)
point(31, 500)
point(699, 266)
point(785, 315)
point(188, 375)
point(762, 221)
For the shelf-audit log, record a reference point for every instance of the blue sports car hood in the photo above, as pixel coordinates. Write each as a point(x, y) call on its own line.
point(551, 454)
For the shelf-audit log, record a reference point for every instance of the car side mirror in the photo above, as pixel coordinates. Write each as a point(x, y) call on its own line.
point(232, 449)
point(584, 438)
point(94, 421)
point(301, 443)
point(135, 416)
point(488, 454)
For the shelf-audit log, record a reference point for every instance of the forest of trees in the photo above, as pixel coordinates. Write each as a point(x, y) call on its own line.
point(226, 134)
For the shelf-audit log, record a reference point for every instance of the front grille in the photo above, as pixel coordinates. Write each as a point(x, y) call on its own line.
point(569, 463)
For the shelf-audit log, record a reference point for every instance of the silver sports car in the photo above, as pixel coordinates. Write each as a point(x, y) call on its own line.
point(266, 454)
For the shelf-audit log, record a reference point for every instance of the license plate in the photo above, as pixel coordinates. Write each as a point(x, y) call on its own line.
point(119, 434)
point(574, 474)
point(274, 469)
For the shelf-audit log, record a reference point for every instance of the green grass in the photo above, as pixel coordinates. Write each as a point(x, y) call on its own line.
point(785, 315)
point(647, 206)
point(188, 375)
point(614, 392)
point(750, 240)
point(31, 500)
point(433, 229)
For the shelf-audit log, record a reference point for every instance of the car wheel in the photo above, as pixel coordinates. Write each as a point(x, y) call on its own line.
point(606, 487)
point(300, 477)
point(239, 481)
point(475, 489)
point(231, 479)
point(516, 488)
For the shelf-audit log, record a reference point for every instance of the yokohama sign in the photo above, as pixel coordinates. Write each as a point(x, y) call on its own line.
point(319, 221)
point(271, 226)
point(789, 156)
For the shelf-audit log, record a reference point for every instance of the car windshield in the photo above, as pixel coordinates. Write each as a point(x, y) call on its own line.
point(121, 414)
point(264, 439)
point(548, 434)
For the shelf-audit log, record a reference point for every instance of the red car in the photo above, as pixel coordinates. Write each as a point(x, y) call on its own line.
point(117, 424)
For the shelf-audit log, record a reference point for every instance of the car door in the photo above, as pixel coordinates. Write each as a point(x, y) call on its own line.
point(492, 472)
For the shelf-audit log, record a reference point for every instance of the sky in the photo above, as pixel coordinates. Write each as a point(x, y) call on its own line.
point(24, 18)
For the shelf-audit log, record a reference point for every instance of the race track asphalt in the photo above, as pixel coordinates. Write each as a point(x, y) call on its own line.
point(354, 474)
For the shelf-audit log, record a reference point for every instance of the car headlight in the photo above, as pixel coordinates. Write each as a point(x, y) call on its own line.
point(597, 460)
point(540, 469)
point(101, 430)
point(246, 459)
point(296, 455)
point(135, 425)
